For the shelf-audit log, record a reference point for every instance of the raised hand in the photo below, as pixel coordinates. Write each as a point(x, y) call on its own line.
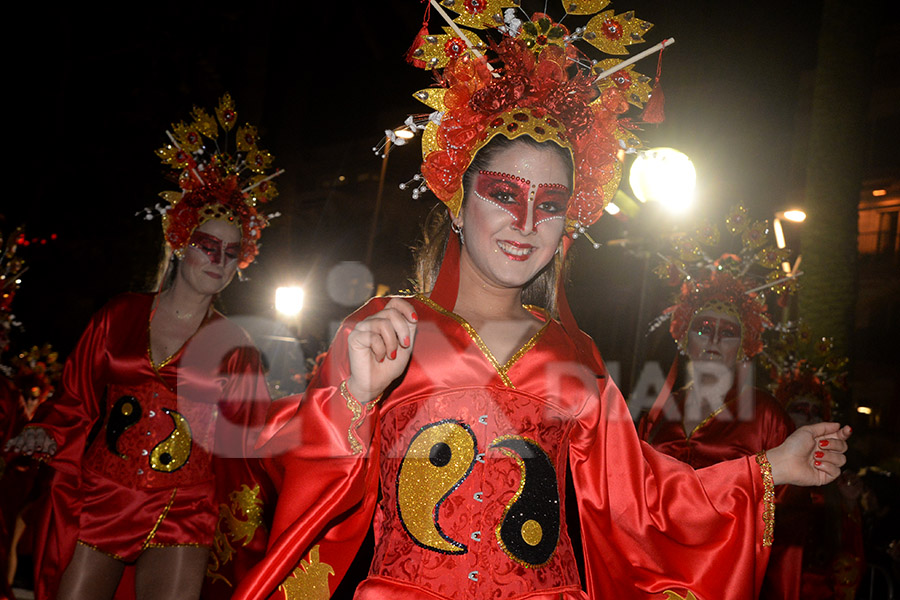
point(379, 349)
point(31, 440)
point(812, 455)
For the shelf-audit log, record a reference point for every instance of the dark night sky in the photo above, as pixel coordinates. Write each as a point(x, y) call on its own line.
point(92, 91)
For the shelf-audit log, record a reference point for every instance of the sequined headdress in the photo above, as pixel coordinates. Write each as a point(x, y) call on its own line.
point(731, 283)
point(12, 266)
point(215, 183)
point(802, 368)
point(537, 83)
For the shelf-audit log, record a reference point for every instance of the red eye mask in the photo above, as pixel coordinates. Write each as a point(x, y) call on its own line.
point(217, 251)
point(521, 199)
point(716, 329)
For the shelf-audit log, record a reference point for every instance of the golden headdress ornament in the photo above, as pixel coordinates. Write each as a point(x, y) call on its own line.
point(215, 183)
point(534, 81)
point(710, 277)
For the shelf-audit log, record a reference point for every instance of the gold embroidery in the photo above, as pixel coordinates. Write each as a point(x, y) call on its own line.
point(359, 413)
point(768, 498)
point(244, 502)
point(309, 581)
point(173, 452)
point(159, 521)
point(502, 370)
point(670, 595)
point(706, 421)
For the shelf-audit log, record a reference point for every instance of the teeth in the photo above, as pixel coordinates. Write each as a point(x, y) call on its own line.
point(515, 251)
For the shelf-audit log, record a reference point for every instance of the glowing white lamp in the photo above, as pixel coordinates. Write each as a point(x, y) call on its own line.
point(289, 300)
point(663, 175)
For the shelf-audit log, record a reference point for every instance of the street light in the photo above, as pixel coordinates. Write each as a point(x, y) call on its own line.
point(289, 300)
point(663, 175)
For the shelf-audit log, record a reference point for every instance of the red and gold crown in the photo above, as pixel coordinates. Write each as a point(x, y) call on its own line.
point(734, 284)
point(537, 83)
point(216, 184)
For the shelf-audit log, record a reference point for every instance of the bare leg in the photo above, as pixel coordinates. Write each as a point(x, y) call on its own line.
point(13, 563)
point(90, 574)
point(171, 573)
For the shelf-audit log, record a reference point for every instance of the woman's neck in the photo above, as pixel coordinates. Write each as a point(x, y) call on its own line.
point(480, 301)
point(183, 302)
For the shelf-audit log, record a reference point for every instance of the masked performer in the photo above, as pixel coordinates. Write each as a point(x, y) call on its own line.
point(720, 415)
point(452, 415)
point(179, 395)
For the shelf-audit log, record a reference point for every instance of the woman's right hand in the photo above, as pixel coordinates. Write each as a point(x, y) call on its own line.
point(379, 348)
point(30, 440)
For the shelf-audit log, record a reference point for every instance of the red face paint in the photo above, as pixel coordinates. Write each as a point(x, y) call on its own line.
point(216, 250)
point(527, 203)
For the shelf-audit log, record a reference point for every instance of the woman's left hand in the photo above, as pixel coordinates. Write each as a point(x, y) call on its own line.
point(812, 455)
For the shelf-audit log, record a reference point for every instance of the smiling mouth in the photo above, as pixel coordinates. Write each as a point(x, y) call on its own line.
point(515, 250)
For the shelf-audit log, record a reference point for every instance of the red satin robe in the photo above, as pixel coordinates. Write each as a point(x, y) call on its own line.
point(187, 426)
point(463, 463)
point(746, 423)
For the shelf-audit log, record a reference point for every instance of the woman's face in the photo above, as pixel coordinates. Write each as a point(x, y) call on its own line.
point(714, 337)
point(514, 217)
point(211, 257)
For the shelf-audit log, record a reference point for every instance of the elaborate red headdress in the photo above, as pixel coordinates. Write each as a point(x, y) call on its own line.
point(733, 284)
point(537, 83)
point(11, 268)
point(214, 183)
point(802, 368)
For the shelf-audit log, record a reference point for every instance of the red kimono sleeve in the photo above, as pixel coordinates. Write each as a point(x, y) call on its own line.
point(651, 524)
point(68, 418)
point(323, 456)
point(244, 492)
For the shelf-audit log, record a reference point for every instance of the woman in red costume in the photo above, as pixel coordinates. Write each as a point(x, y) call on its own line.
point(719, 415)
point(178, 392)
point(453, 415)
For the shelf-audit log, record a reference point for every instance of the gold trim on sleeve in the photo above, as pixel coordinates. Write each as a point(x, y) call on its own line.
point(768, 498)
point(359, 413)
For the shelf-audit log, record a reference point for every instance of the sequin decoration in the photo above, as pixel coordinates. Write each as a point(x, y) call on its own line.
point(765, 470)
point(673, 595)
point(173, 452)
point(245, 502)
point(529, 531)
point(479, 14)
point(123, 414)
point(309, 580)
point(439, 458)
point(611, 34)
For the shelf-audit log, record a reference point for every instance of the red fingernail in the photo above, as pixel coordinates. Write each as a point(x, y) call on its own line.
point(406, 342)
point(414, 316)
point(823, 443)
point(819, 454)
point(817, 463)
point(393, 354)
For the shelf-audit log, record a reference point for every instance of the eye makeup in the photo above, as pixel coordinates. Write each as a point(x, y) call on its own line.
point(215, 250)
point(518, 197)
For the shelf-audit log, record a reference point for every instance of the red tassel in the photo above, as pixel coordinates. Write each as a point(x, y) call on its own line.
point(417, 43)
point(420, 39)
point(654, 110)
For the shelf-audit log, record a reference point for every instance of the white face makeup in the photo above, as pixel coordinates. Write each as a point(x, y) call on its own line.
point(515, 217)
point(714, 336)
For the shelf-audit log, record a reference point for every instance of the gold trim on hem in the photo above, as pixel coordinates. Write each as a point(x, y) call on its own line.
point(159, 521)
point(101, 551)
point(765, 468)
point(502, 370)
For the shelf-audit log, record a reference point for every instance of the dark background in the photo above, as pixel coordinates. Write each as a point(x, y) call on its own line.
point(91, 89)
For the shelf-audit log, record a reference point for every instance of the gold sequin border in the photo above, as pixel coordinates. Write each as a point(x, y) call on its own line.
point(359, 413)
point(502, 370)
point(765, 468)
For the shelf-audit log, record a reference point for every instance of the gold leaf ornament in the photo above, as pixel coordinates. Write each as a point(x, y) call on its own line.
point(479, 14)
point(309, 580)
point(226, 112)
point(636, 86)
point(584, 7)
point(610, 33)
